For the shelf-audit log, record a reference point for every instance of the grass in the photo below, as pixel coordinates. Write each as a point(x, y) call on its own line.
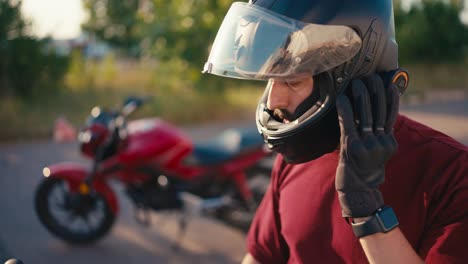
point(34, 118)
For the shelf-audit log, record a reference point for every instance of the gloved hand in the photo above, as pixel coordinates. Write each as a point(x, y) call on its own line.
point(367, 143)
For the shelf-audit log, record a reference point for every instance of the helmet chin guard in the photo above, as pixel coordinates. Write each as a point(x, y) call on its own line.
point(312, 134)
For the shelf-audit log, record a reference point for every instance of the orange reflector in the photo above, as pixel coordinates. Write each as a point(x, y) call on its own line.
point(401, 74)
point(84, 188)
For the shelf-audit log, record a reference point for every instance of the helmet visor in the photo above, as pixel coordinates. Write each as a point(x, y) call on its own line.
point(256, 43)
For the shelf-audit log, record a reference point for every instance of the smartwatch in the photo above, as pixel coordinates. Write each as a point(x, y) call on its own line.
point(382, 221)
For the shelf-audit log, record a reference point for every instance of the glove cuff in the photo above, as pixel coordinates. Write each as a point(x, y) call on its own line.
point(360, 203)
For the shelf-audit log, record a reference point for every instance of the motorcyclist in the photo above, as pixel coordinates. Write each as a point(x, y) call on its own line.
point(330, 109)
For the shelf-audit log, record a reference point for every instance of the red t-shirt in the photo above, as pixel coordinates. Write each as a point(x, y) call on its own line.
point(299, 220)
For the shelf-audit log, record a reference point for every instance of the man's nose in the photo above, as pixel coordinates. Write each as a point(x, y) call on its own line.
point(278, 96)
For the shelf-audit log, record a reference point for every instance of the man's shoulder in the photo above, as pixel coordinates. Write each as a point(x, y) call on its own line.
point(427, 155)
point(412, 134)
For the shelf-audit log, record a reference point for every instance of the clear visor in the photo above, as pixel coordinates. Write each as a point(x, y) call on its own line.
point(256, 43)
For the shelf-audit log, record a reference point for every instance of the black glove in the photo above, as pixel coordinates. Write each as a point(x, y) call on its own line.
point(367, 143)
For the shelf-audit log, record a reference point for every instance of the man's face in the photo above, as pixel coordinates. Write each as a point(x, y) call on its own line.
point(287, 94)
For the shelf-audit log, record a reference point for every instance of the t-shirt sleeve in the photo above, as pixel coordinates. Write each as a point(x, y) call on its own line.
point(446, 239)
point(264, 240)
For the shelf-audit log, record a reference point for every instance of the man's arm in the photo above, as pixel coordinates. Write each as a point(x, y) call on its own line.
point(367, 143)
point(391, 247)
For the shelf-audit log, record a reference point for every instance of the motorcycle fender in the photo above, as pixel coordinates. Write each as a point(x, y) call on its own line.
point(74, 174)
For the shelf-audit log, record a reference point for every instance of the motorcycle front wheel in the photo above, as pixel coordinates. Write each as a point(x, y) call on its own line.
point(73, 217)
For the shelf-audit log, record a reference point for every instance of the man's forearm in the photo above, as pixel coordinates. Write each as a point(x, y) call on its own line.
point(391, 247)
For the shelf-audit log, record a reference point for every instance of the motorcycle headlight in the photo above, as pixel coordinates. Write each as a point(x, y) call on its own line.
point(85, 136)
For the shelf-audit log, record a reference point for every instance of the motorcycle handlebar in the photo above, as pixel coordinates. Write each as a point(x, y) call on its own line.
point(131, 103)
point(128, 109)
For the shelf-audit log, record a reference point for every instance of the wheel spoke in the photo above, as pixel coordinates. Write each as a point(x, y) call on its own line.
point(63, 188)
point(85, 226)
point(96, 215)
point(84, 223)
point(71, 216)
point(59, 194)
point(94, 218)
point(58, 202)
point(79, 225)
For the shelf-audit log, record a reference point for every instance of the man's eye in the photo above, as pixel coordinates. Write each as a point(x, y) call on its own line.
point(293, 83)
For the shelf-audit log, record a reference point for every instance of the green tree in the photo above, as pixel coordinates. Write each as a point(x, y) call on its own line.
point(26, 63)
point(11, 26)
point(184, 30)
point(178, 31)
point(115, 21)
point(431, 32)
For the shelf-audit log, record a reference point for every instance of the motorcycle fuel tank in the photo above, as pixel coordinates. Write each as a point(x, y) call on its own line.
point(153, 140)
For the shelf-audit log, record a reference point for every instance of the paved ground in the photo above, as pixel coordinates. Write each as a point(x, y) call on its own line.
point(207, 241)
point(450, 117)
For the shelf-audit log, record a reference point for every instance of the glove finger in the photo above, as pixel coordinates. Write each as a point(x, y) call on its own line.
point(393, 101)
point(363, 107)
point(345, 117)
point(376, 91)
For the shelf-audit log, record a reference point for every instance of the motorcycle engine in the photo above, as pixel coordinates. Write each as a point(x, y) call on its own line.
point(158, 193)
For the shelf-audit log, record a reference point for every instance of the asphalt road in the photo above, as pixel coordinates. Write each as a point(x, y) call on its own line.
point(206, 241)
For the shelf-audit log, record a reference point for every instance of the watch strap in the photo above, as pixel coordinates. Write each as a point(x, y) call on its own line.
point(382, 221)
point(368, 227)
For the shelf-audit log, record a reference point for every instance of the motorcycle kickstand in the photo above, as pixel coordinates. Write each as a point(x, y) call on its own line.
point(182, 222)
point(142, 215)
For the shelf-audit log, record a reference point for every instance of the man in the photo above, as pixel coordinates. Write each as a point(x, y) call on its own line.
point(355, 181)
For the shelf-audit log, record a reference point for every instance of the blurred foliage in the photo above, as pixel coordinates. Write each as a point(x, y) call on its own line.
point(27, 64)
point(172, 32)
point(431, 32)
point(117, 22)
point(182, 108)
point(82, 72)
point(182, 28)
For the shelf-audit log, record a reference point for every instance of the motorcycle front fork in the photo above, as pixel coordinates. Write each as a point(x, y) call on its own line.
point(86, 185)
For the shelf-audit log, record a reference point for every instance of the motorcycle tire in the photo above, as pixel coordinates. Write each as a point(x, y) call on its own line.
point(44, 205)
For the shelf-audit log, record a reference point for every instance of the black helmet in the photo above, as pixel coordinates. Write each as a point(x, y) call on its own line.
point(334, 41)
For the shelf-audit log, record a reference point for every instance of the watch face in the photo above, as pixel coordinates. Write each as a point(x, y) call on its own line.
point(388, 218)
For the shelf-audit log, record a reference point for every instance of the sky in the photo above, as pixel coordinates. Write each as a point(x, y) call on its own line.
point(62, 18)
point(57, 18)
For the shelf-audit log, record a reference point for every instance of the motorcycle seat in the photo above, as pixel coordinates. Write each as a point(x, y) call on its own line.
point(226, 146)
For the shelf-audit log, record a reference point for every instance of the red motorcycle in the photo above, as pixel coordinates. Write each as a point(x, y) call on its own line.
point(159, 168)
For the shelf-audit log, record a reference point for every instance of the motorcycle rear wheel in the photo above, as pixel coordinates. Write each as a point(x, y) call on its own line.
point(240, 216)
point(72, 217)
